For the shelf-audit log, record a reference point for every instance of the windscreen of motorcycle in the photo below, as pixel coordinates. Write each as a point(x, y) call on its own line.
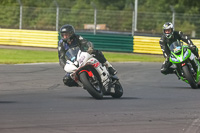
point(176, 46)
point(71, 53)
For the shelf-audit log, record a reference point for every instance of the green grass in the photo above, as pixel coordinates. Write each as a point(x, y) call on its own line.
point(128, 57)
point(16, 56)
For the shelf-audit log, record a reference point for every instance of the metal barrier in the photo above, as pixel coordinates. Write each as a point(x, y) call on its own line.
point(150, 45)
point(36, 38)
point(143, 44)
point(197, 43)
point(104, 42)
point(110, 42)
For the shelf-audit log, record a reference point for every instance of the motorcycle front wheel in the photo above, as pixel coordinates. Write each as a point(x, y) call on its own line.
point(189, 77)
point(118, 90)
point(92, 86)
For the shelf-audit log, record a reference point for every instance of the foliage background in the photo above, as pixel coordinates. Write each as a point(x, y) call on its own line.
point(116, 14)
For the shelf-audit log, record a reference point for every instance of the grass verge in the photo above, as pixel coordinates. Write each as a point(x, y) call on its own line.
point(20, 56)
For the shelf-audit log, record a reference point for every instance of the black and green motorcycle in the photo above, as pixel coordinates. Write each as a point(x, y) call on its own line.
point(185, 63)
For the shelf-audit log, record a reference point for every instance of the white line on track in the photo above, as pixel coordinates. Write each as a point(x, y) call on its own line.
point(194, 127)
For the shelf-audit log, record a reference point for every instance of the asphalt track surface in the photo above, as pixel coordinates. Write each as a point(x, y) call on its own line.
point(33, 99)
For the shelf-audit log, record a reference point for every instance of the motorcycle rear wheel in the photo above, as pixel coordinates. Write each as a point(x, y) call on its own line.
point(93, 87)
point(189, 77)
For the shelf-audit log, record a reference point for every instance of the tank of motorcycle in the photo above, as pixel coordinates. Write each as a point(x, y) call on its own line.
point(83, 57)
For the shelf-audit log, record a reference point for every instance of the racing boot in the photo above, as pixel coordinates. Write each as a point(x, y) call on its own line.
point(176, 74)
point(110, 68)
point(68, 81)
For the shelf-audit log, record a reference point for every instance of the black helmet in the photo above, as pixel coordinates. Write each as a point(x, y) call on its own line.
point(168, 26)
point(67, 30)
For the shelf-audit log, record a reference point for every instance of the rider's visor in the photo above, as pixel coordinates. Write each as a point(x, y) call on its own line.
point(168, 31)
point(65, 35)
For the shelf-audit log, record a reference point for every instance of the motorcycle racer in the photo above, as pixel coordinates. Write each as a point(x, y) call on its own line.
point(169, 36)
point(68, 40)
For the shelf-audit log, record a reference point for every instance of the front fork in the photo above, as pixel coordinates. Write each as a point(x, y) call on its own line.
point(193, 65)
point(179, 72)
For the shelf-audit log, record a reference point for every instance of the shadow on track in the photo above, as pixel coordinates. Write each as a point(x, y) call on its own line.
point(7, 102)
point(104, 98)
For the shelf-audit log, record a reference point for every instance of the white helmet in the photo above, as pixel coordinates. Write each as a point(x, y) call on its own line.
point(168, 26)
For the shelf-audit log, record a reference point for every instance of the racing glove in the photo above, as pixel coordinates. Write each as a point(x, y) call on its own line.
point(90, 50)
point(192, 47)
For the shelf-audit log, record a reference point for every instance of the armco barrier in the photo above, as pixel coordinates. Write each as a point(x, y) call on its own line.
point(143, 44)
point(110, 42)
point(104, 42)
point(150, 45)
point(34, 38)
point(196, 42)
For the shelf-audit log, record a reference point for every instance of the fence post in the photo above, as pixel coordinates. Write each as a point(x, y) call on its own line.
point(57, 14)
point(173, 16)
point(133, 17)
point(20, 18)
point(95, 17)
point(136, 8)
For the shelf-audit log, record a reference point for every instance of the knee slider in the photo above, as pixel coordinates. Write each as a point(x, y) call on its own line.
point(164, 71)
point(68, 81)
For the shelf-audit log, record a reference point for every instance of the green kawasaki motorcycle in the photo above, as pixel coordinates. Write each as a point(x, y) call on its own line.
point(185, 63)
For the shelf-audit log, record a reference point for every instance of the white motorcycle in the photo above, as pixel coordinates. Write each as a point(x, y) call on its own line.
point(90, 74)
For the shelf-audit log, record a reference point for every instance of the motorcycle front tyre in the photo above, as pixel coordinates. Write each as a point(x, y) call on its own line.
point(118, 90)
point(97, 94)
point(189, 77)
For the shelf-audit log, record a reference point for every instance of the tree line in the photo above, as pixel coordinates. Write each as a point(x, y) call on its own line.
point(180, 6)
point(10, 19)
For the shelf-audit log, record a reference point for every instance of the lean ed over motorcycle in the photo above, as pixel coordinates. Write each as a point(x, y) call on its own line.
point(185, 63)
point(90, 74)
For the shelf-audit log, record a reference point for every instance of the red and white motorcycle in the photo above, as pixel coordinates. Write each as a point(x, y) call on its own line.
point(90, 74)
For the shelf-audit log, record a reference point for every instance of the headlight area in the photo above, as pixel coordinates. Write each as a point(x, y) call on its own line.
point(173, 58)
point(185, 54)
